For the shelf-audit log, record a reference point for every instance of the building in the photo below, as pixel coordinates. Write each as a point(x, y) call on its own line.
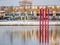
point(27, 12)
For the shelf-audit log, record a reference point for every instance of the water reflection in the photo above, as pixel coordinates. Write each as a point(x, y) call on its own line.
point(27, 35)
point(17, 35)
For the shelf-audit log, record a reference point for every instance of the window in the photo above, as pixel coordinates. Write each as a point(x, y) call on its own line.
point(58, 13)
point(22, 14)
point(8, 14)
point(30, 13)
point(38, 13)
point(16, 14)
point(50, 14)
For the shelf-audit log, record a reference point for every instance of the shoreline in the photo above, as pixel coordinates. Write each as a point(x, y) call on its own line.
point(26, 23)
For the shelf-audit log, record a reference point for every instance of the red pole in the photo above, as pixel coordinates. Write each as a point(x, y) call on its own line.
point(44, 27)
point(40, 26)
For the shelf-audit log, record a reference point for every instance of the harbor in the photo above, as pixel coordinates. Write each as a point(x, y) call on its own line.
point(28, 24)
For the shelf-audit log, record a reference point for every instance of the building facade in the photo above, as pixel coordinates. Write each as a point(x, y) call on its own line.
point(27, 12)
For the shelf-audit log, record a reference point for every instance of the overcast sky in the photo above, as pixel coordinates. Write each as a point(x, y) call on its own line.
point(35, 2)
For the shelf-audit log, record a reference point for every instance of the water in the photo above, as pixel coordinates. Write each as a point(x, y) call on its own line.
point(7, 39)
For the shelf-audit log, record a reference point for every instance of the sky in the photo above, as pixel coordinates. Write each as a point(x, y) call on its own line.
point(34, 2)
